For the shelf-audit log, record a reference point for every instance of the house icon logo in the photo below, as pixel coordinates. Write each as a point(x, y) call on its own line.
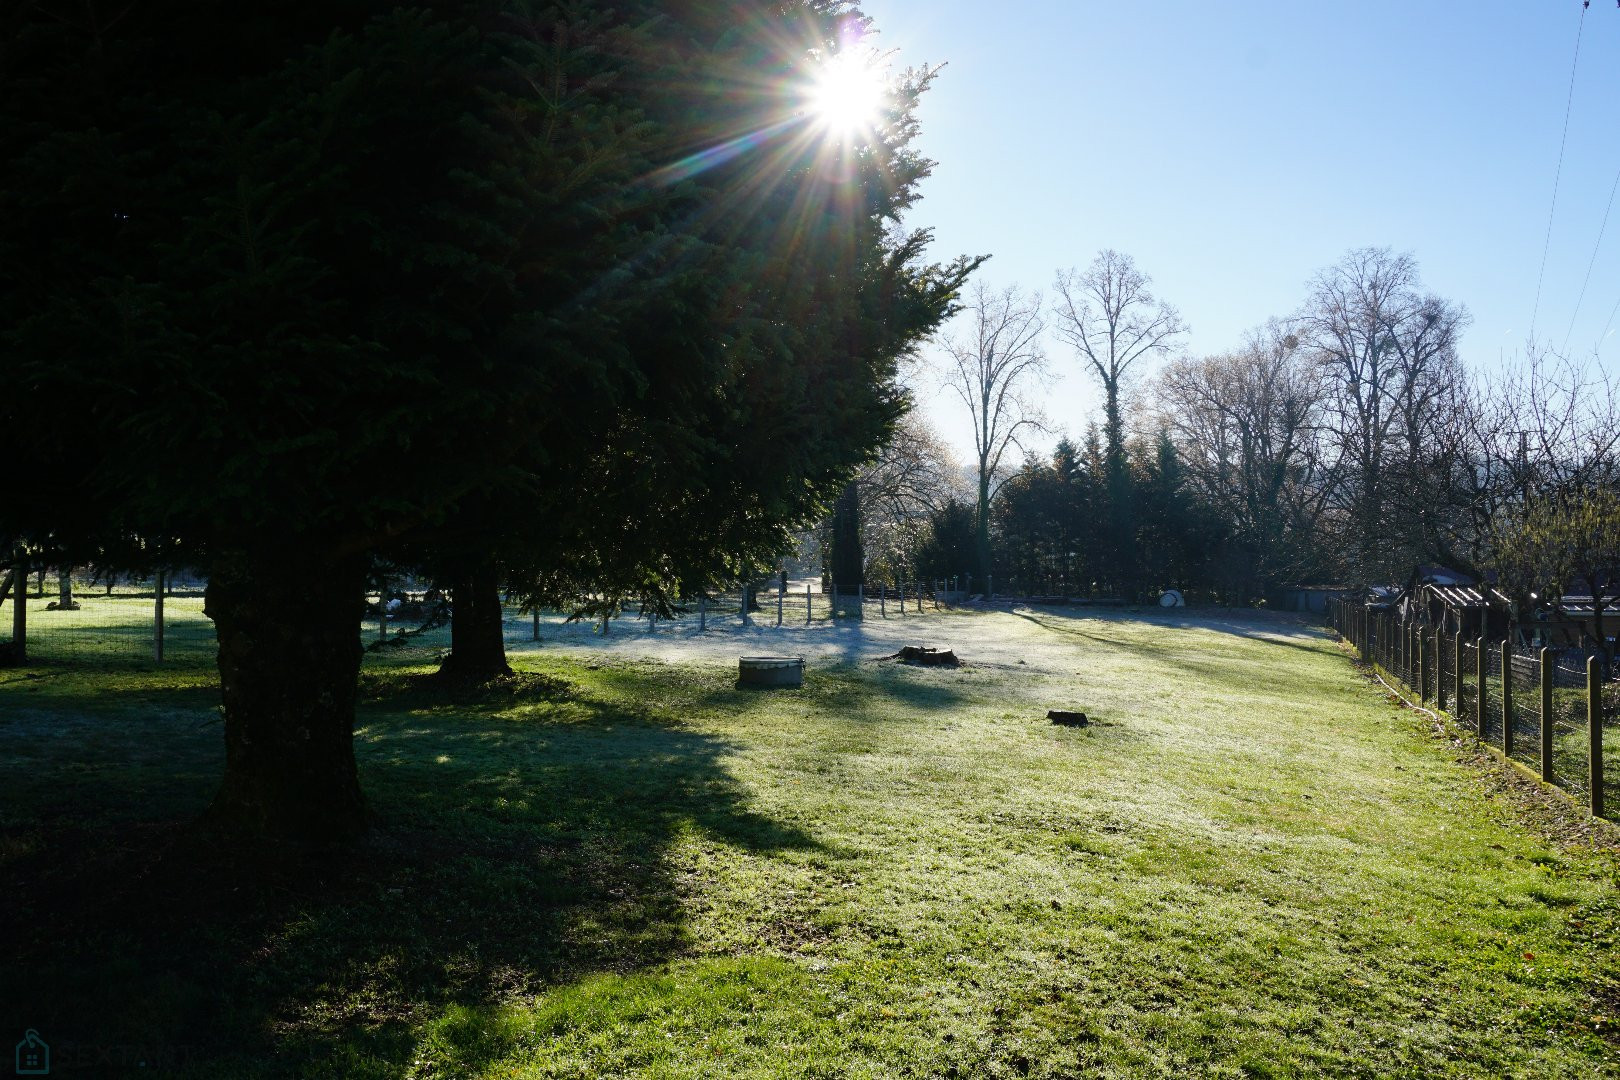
point(33, 1055)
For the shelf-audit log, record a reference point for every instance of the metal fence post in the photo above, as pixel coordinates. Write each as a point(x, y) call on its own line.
point(781, 598)
point(1479, 687)
point(157, 620)
point(1594, 735)
point(1507, 698)
point(1546, 716)
point(807, 605)
point(883, 596)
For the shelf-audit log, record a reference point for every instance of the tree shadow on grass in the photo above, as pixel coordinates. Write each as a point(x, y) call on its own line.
point(513, 854)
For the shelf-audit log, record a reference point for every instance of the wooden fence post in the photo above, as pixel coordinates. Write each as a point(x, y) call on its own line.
point(1439, 670)
point(1507, 698)
point(1479, 687)
point(1457, 672)
point(1546, 716)
point(157, 619)
point(1594, 735)
point(1422, 667)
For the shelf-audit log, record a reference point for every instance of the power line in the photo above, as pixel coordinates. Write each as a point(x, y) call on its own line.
point(1558, 172)
point(1608, 324)
point(1592, 261)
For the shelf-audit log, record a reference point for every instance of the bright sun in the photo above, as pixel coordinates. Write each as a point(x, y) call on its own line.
point(848, 93)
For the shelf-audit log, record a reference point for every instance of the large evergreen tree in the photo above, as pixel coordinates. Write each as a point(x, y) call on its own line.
point(568, 288)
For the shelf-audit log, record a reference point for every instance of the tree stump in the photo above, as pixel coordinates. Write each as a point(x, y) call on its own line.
point(925, 656)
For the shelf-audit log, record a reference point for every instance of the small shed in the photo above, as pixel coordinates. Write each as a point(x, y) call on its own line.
point(1313, 599)
point(1470, 610)
point(1572, 623)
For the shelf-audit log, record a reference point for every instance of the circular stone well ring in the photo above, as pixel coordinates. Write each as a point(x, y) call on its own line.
point(770, 671)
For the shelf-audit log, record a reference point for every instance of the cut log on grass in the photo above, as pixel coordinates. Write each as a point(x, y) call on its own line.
point(926, 656)
point(1066, 718)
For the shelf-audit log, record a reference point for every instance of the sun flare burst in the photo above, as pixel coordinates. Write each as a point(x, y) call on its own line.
point(848, 93)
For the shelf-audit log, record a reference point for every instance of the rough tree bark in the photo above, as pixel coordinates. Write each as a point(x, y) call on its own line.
point(289, 659)
point(477, 643)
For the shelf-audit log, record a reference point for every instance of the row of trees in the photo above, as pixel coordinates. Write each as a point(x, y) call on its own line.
point(1344, 443)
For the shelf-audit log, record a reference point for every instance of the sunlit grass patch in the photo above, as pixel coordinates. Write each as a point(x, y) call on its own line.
point(1250, 865)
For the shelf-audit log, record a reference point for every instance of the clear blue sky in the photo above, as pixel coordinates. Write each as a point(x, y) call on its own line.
point(1235, 148)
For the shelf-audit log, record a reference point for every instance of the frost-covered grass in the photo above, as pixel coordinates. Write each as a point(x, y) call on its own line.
point(1251, 865)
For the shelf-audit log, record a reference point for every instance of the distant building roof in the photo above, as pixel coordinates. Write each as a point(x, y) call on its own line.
point(1466, 596)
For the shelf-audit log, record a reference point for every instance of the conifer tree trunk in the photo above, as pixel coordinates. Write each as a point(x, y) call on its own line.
point(848, 561)
point(289, 658)
point(477, 643)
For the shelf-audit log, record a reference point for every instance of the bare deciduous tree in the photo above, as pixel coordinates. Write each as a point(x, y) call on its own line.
point(912, 478)
point(994, 366)
point(1111, 319)
point(1389, 352)
point(1246, 425)
point(1114, 323)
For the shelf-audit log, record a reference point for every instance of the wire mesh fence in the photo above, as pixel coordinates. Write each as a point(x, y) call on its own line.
point(139, 621)
point(1570, 743)
point(1524, 715)
point(1490, 694)
point(1468, 707)
point(151, 621)
point(1535, 706)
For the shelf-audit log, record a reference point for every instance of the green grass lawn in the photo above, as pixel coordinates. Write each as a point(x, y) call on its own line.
point(1251, 866)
